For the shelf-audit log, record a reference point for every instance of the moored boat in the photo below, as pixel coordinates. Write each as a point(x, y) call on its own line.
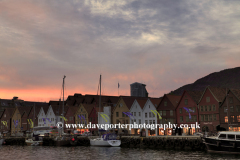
point(224, 142)
point(107, 140)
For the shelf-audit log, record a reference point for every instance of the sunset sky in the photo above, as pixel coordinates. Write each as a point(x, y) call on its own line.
point(162, 43)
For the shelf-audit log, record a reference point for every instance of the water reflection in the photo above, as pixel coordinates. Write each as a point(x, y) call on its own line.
point(104, 153)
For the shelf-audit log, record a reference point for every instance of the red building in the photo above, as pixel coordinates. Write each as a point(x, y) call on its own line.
point(6, 117)
point(209, 108)
point(230, 111)
point(70, 116)
point(167, 108)
point(188, 104)
point(93, 118)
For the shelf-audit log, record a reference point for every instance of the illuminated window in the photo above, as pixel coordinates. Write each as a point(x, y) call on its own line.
point(226, 119)
point(232, 117)
point(238, 118)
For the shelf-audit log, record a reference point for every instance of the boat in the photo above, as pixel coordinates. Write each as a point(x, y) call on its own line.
point(224, 142)
point(35, 141)
point(107, 140)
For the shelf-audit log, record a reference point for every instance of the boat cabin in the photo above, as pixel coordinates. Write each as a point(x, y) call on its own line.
point(229, 135)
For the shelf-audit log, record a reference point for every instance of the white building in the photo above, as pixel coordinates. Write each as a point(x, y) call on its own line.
point(137, 111)
point(149, 117)
point(42, 116)
point(105, 116)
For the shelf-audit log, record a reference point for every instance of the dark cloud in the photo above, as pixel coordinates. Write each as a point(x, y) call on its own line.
point(164, 44)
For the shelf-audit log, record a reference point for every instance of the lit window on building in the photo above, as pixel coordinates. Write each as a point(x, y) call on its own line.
point(226, 119)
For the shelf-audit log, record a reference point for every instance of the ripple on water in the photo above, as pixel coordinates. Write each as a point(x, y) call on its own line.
point(104, 153)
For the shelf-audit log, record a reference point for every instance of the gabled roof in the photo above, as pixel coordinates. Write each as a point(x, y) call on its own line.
point(89, 107)
point(141, 102)
point(217, 92)
point(155, 101)
point(195, 95)
point(25, 110)
point(174, 99)
point(73, 109)
point(5, 102)
point(10, 111)
point(58, 109)
point(37, 110)
point(129, 100)
point(236, 92)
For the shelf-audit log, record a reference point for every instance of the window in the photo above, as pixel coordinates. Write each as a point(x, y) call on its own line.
point(187, 118)
point(165, 103)
point(153, 121)
point(226, 119)
point(123, 115)
point(222, 136)
point(139, 121)
point(4, 115)
point(210, 117)
point(150, 121)
point(207, 99)
point(231, 136)
point(135, 120)
point(225, 109)
point(214, 117)
point(126, 121)
point(153, 115)
point(232, 118)
point(201, 108)
point(116, 114)
point(205, 108)
point(145, 115)
point(149, 106)
point(160, 112)
point(146, 121)
point(238, 118)
point(206, 117)
point(139, 113)
point(150, 114)
point(231, 109)
point(50, 113)
point(209, 108)
point(237, 137)
point(171, 112)
point(213, 108)
point(202, 117)
point(132, 121)
point(134, 113)
point(238, 108)
point(186, 101)
point(230, 99)
point(164, 113)
point(194, 109)
point(180, 110)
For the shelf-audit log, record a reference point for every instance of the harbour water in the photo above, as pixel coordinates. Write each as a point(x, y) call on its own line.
point(103, 153)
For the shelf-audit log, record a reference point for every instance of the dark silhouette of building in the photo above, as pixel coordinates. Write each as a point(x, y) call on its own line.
point(138, 90)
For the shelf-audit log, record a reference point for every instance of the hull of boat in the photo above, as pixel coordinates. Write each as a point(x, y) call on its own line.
point(222, 146)
point(1, 141)
point(29, 143)
point(102, 143)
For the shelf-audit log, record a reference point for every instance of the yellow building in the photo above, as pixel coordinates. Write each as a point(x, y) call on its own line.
point(123, 105)
point(82, 116)
point(16, 121)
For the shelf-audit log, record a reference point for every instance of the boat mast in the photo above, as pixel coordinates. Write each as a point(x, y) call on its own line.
point(33, 116)
point(63, 100)
point(100, 94)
